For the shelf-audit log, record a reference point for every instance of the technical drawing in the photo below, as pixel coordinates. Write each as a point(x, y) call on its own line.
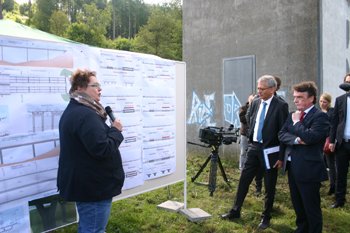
point(44, 117)
point(11, 220)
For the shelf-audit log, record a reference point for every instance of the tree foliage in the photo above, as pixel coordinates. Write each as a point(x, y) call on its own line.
point(43, 12)
point(58, 23)
point(90, 27)
point(128, 25)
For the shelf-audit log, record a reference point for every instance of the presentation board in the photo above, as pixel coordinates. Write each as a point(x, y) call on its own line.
point(34, 82)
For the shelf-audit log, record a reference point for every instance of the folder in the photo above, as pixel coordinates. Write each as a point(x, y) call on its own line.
point(271, 156)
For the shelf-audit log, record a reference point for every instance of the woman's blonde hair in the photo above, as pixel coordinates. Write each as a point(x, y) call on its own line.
point(327, 97)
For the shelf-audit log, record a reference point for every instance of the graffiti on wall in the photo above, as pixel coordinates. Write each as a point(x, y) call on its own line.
point(232, 105)
point(201, 111)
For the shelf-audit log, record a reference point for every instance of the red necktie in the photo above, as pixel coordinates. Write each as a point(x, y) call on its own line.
point(302, 116)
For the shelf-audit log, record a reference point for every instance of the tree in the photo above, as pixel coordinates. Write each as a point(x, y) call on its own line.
point(0, 10)
point(42, 14)
point(8, 5)
point(90, 27)
point(157, 37)
point(58, 23)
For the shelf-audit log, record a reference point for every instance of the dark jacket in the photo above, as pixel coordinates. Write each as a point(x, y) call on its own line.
point(243, 119)
point(90, 166)
point(338, 120)
point(273, 123)
point(307, 160)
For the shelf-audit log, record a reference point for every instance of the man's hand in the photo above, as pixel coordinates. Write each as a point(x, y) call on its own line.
point(278, 164)
point(117, 124)
point(296, 116)
point(301, 141)
point(331, 146)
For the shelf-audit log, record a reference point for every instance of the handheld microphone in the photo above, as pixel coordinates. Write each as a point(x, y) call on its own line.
point(110, 113)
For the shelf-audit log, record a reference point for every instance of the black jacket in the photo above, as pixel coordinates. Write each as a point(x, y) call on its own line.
point(90, 165)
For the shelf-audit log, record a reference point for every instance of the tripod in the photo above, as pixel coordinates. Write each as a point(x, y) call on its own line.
point(215, 159)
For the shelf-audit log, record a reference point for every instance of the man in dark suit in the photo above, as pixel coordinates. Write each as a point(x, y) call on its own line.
point(304, 133)
point(340, 130)
point(267, 117)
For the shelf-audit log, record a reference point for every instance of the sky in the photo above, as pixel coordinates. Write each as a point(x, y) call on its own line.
point(146, 1)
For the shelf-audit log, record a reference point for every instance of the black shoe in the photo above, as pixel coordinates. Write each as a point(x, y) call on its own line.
point(336, 205)
point(331, 190)
point(231, 215)
point(257, 192)
point(264, 224)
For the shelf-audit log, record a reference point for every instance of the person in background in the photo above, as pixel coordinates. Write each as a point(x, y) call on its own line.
point(244, 131)
point(90, 170)
point(340, 131)
point(325, 105)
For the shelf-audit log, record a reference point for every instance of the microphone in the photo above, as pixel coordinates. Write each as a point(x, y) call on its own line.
point(345, 86)
point(110, 113)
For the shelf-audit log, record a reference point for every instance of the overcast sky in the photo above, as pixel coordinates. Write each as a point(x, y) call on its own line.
point(146, 1)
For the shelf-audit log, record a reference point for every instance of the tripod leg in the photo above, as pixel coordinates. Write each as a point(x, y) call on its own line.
point(222, 170)
point(212, 175)
point(201, 169)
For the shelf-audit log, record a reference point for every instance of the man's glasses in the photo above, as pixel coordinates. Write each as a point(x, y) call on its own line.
point(263, 89)
point(96, 85)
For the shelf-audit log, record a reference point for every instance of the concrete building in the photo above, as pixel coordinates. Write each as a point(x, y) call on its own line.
point(229, 44)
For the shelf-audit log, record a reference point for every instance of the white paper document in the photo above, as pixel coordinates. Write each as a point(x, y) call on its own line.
point(267, 153)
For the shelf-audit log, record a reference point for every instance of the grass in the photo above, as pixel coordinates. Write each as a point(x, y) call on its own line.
point(140, 213)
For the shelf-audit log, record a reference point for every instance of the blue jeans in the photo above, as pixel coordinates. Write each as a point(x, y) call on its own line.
point(93, 216)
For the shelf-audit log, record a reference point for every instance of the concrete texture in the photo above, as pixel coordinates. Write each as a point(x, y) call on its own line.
point(283, 35)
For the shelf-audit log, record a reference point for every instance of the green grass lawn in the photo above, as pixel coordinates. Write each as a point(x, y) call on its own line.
point(140, 213)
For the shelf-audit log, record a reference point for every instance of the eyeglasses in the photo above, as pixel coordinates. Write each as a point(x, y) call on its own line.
point(263, 89)
point(96, 85)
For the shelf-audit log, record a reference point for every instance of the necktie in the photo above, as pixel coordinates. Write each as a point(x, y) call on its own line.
point(261, 122)
point(302, 116)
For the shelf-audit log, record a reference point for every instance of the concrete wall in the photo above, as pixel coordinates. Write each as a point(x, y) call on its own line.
point(283, 35)
point(335, 45)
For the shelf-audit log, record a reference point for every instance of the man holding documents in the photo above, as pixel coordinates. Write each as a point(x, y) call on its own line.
point(304, 133)
point(267, 116)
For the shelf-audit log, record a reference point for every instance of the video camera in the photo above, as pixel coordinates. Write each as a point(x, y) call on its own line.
point(217, 136)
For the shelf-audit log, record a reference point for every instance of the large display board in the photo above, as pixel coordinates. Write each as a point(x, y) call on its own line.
point(147, 94)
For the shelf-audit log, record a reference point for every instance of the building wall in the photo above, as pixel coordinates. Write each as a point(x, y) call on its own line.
point(283, 36)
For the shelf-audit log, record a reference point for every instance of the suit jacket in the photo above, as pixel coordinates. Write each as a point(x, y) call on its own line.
point(307, 160)
point(274, 120)
point(242, 112)
point(338, 120)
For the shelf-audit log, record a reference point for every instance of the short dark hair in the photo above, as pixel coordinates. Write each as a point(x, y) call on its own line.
point(348, 74)
point(80, 78)
point(309, 87)
point(278, 81)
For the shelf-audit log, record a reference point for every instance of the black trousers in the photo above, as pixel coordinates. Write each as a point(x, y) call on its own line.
point(254, 161)
point(306, 202)
point(342, 162)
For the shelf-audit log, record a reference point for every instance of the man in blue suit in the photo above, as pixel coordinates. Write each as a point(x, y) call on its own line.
point(304, 133)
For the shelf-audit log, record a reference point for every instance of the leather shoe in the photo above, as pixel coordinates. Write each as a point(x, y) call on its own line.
point(336, 205)
point(231, 215)
point(264, 224)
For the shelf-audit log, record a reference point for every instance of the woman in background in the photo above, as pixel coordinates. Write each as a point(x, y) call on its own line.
point(325, 105)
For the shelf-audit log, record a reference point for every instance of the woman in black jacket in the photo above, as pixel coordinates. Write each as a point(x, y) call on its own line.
point(90, 168)
point(325, 105)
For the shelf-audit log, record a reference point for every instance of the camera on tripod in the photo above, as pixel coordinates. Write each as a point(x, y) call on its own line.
point(217, 136)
